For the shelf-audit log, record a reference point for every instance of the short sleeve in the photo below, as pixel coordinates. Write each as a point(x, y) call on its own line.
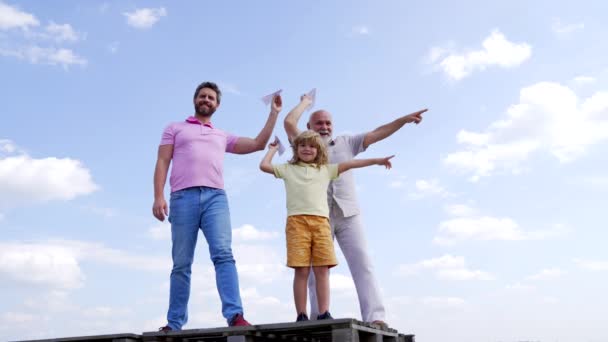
point(168, 137)
point(355, 142)
point(279, 170)
point(230, 142)
point(332, 170)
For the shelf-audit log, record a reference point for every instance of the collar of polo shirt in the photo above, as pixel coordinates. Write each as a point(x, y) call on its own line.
point(194, 120)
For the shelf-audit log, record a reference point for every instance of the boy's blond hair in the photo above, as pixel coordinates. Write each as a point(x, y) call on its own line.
point(313, 138)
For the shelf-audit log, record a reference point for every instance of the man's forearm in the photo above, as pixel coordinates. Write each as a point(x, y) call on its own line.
point(264, 135)
point(160, 178)
point(292, 118)
point(387, 130)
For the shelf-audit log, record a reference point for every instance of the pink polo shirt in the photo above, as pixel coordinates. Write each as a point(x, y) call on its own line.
point(198, 153)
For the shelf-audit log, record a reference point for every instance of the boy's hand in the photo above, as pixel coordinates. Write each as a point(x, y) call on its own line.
point(277, 104)
point(385, 161)
point(274, 145)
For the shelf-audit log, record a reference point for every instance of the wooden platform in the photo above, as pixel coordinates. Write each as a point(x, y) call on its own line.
point(336, 330)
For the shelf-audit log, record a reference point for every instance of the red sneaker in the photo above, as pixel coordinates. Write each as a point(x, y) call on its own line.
point(239, 321)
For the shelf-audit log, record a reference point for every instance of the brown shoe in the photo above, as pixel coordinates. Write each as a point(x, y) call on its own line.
point(166, 328)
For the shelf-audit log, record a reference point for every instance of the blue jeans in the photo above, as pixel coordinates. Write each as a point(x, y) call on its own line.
point(192, 209)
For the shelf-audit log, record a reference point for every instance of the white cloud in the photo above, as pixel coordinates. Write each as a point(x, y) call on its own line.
point(597, 182)
point(105, 212)
point(464, 274)
point(105, 312)
point(144, 18)
point(340, 282)
point(248, 232)
point(229, 88)
point(12, 17)
point(442, 302)
point(51, 56)
point(11, 318)
point(519, 287)
point(496, 51)
point(102, 254)
point(564, 29)
point(592, 265)
point(446, 267)
point(548, 118)
point(26, 180)
point(259, 263)
point(8, 147)
point(113, 47)
point(478, 228)
point(61, 33)
point(160, 231)
point(548, 273)
point(460, 210)
point(48, 265)
point(361, 30)
point(581, 80)
point(469, 225)
point(426, 188)
point(56, 263)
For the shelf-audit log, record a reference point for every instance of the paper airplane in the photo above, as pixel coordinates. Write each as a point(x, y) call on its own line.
point(281, 146)
point(268, 98)
point(312, 94)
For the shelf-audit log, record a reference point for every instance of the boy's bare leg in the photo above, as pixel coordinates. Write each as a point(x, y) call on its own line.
point(299, 288)
point(322, 279)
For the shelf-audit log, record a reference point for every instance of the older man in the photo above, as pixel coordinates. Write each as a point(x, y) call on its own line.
point(345, 220)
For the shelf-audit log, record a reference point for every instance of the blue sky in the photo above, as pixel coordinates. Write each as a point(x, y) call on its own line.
point(491, 226)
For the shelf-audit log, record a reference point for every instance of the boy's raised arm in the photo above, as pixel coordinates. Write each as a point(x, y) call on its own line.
point(357, 163)
point(266, 163)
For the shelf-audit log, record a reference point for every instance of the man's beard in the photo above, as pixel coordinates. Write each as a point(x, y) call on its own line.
point(206, 112)
point(325, 137)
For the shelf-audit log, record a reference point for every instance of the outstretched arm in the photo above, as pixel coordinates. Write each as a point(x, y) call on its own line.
point(292, 118)
point(266, 163)
point(159, 208)
point(385, 131)
point(249, 145)
point(357, 163)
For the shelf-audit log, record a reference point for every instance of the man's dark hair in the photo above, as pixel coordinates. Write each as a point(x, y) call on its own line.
point(211, 86)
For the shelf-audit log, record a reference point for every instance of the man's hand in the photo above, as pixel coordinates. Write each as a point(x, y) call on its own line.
point(277, 104)
point(160, 209)
point(385, 161)
point(415, 117)
point(306, 100)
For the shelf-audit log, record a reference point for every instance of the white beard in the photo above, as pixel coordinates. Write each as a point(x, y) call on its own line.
point(326, 139)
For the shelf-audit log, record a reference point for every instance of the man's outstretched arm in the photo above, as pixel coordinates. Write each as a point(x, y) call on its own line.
point(292, 118)
point(385, 131)
point(248, 145)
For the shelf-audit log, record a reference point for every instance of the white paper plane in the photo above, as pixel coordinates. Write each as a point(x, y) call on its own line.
point(312, 94)
point(281, 146)
point(268, 98)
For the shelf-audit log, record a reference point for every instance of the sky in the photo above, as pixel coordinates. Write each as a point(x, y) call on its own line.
point(490, 227)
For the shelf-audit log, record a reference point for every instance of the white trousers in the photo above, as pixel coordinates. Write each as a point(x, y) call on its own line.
point(348, 231)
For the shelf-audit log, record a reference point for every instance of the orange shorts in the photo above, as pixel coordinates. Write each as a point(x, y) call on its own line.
point(309, 241)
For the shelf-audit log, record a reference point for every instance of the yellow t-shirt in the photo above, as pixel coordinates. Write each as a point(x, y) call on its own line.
point(306, 187)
